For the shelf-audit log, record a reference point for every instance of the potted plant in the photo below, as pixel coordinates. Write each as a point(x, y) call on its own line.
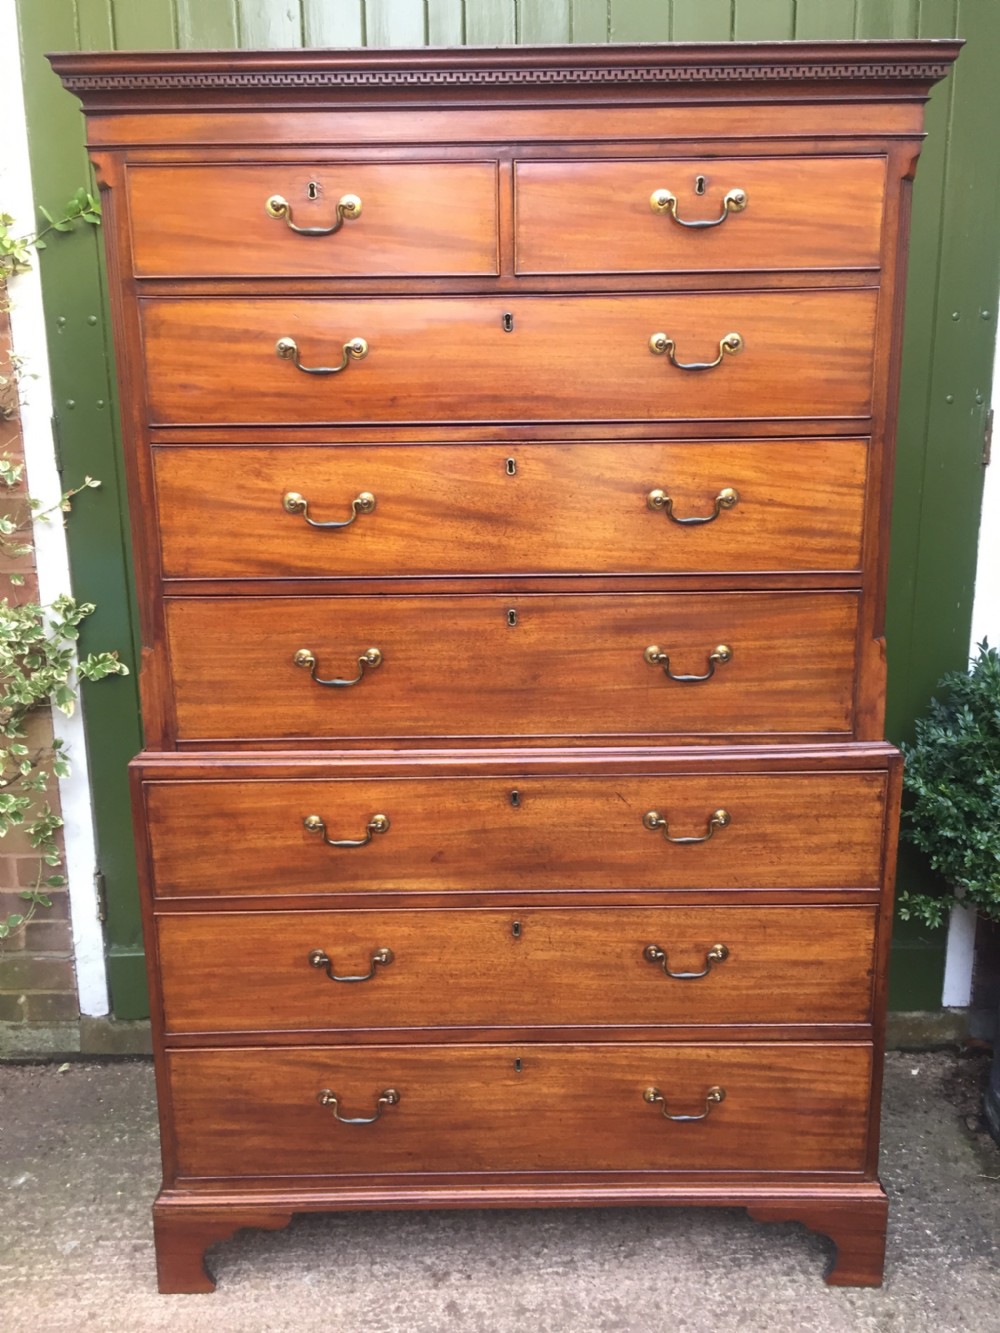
point(952, 777)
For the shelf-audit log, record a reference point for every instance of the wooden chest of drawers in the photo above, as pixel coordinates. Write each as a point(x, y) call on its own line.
point(510, 439)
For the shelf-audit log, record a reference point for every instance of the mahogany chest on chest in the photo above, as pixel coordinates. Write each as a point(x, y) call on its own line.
point(509, 439)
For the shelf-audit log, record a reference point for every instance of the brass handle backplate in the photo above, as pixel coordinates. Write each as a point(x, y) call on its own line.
point(659, 500)
point(380, 958)
point(377, 824)
point(369, 660)
point(654, 954)
point(364, 503)
point(653, 820)
point(390, 1097)
point(656, 657)
point(712, 1098)
point(355, 349)
point(663, 201)
point(664, 346)
point(348, 208)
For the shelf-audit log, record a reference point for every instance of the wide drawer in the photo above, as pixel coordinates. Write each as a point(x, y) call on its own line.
point(595, 967)
point(509, 1108)
point(230, 512)
point(804, 354)
point(786, 830)
point(214, 220)
point(784, 213)
point(566, 665)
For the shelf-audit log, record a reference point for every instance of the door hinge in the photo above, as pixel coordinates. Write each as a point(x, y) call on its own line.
point(988, 438)
point(57, 448)
point(101, 885)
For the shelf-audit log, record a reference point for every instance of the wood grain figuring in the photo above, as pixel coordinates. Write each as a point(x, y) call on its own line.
point(788, 830)
point(571, 666)
point(456, 509)
point(801, 213)
point(454, 969)
point(417, 218)
point(805, 354)
point(255, 1112)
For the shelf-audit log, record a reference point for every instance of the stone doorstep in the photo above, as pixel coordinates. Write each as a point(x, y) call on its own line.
point(922, 1031)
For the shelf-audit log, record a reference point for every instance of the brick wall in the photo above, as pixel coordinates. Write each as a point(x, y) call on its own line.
point(37, 981)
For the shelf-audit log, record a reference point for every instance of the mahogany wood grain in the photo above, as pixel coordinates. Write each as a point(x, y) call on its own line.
point(417, 218)
point(788, 830)
point(787, 1108)
point(801, 213)
point(805, 354)
point(251, 971)
point(567, 508)
point(182, 1237)
point(856, 1227)
point(571, 665)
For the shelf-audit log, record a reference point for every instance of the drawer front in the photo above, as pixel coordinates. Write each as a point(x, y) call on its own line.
point(570, 665)
point(569, 1108)
point(212, 220)
point(525, 509)
point(798, 213)
point(596, 967)
point(786, 830)
point(568, 358)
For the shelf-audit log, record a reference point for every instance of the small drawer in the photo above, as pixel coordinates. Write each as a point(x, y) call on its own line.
point(806, 830)
point(794, 355)
point(657, 215)
point(392, 219)
point(229, 972)
point(726, 506)
point(562, 665)
point(784, 1108)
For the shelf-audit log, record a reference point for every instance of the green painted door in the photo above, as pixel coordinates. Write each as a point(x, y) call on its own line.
point(955, 271)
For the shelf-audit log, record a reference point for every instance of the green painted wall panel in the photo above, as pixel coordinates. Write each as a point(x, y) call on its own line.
point(396, 23)
point(887, 18)
point(765, 20)
point(208, 24)
point(97, 30)
point(589, 20)
point(702, 21)
point(269, 25)
point(824, 19)
point(446, 23)
point(341, 24)
point(639, 21)
point(543, 21)
point(139, 27)
point(490, 22)
point(954, 267)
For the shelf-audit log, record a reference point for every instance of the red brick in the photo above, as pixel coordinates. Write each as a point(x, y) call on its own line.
point(51, 1007)
point(45, 936)
point(20, 972)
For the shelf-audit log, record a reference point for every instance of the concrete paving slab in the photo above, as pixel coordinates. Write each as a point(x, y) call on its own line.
point(79, 1168)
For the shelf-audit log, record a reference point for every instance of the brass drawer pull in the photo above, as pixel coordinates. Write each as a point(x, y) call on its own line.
point(348, 208)
point(380, 958)
point(656, 657)
point(390, 1097)
point(653, 820)
point(364, 503)
point(712, 1098)
point(654, 954)
point(662, 345)
point(659, 500)
point(662, 201)
point(377, 824)
point(288, 350)
point(370, 659)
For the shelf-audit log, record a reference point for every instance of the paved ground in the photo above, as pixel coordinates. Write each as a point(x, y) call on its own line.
point(79, 1166)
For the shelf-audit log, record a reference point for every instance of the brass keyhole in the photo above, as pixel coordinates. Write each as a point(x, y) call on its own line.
point(699, 184)
point(515, 798)
point(511, 466)
point(312, 190)
point(512, 617)
point(508, 323)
